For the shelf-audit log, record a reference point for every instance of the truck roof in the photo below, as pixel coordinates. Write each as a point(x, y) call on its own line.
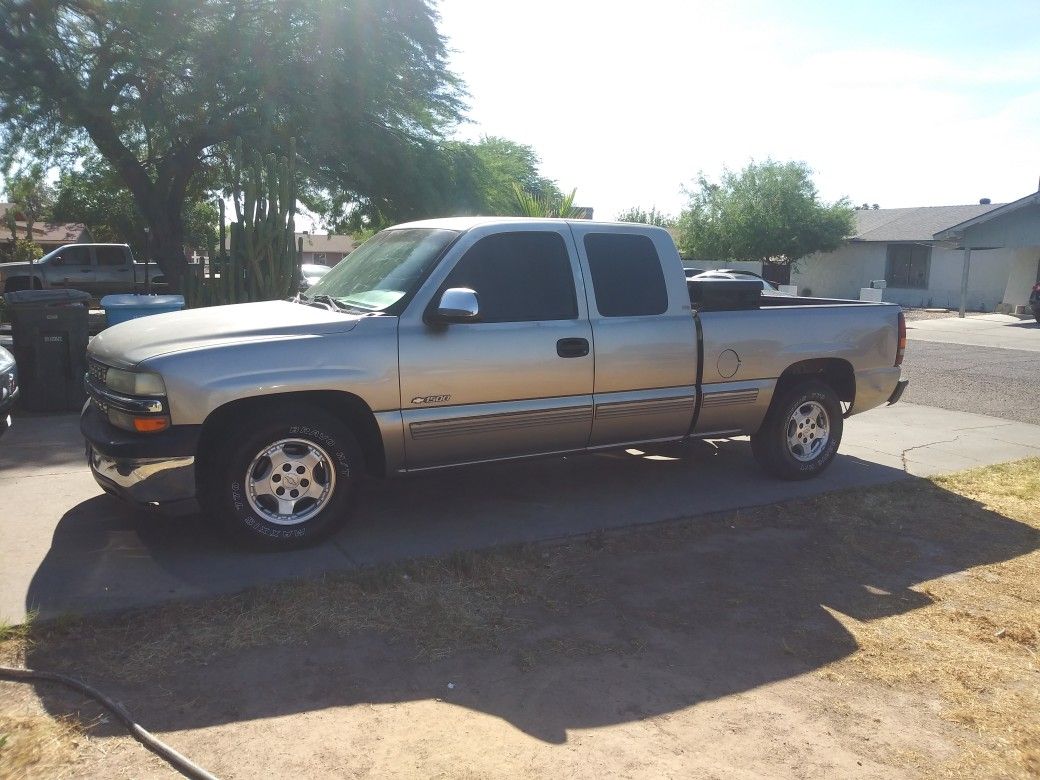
point(467, 223)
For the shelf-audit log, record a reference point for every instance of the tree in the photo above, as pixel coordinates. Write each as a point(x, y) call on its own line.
point(454, 178)
point(157, 85)
point(547, 205)
point(95, 195)
point(30, 197)
point(644, 217)
point(769, 212)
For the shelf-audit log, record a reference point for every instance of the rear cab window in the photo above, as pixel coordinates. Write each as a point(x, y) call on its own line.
point(110, 255)
point(627, 278)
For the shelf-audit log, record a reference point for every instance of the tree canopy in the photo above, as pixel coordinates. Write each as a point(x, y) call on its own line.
point(646, 217)
point(453, 178)
point(94, 194)
point(768, 212)
point(156, 86)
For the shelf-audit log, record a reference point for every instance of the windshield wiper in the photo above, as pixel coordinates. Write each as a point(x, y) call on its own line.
point(333, 303)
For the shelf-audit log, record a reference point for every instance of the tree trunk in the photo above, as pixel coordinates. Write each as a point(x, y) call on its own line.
point(166, 245)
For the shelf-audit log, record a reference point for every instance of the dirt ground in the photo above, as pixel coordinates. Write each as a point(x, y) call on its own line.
point(882, 633)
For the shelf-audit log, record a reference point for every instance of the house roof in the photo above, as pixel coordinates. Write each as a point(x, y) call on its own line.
point(314, 242)
point(46, 232)
point(919, 223)
point(956, 230)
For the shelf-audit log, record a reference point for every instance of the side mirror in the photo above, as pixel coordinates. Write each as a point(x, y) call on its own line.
point(457, 304)
point(59, 260)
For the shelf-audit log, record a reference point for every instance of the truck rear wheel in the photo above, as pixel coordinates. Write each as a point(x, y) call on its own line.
point(801, 433)
point(289, 482)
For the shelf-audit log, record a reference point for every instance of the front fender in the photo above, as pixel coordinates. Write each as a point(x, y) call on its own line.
point(362, 362)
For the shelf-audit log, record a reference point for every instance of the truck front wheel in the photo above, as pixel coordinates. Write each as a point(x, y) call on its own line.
point(289, 482)
point(801, 432)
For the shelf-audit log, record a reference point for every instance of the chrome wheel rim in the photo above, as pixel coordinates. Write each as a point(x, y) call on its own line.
point(290, 481)
point(808, 431)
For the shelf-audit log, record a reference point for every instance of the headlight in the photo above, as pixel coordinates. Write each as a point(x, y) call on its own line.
point(134, 383)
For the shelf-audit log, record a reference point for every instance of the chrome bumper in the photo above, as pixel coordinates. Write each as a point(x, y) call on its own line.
point(166, 484)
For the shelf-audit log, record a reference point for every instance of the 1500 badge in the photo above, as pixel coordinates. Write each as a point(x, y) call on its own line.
point(431, 399)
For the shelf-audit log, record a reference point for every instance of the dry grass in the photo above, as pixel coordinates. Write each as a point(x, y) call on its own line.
point(462, 600)
point(37, 746)
point(976, 645)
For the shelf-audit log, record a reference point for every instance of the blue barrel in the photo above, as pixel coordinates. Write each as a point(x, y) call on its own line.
point(121, 308)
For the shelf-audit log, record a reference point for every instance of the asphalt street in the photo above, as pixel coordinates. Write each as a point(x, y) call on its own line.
point(983, 380)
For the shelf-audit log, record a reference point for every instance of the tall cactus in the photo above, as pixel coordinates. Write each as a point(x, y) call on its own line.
point(261, 261)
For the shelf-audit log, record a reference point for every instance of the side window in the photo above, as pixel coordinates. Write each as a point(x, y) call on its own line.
point(626, 275)
point(519, 277)
point(76, 255)
point(110, 255)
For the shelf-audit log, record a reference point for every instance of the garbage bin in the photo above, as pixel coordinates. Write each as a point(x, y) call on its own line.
point(50, 333)
point(120, 308)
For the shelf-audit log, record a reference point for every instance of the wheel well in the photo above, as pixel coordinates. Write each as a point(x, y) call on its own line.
point(836, 372)
point(348, 408)
point(22, 283)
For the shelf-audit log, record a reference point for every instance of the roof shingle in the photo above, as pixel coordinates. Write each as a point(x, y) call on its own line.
point(919, 223)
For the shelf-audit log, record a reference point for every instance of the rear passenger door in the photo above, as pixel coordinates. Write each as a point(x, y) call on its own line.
point(514, 383)
point(113, 273)
point(644, 332)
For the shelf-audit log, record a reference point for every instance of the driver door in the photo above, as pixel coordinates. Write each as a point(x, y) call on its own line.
point(74, 271)
point(517, 380)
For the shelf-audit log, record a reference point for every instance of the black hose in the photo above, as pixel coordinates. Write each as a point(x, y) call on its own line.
point(181, 763)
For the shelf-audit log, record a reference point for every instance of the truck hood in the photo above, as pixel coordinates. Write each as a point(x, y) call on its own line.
point(129, 343)
point(20, 266)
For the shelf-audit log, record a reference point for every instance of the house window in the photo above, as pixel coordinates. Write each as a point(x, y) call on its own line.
point(908, 266)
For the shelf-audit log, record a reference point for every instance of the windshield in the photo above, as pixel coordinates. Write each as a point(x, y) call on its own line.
point(386, 269)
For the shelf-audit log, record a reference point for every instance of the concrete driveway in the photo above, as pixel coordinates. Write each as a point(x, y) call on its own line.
point(986, 330)
point(67, 547)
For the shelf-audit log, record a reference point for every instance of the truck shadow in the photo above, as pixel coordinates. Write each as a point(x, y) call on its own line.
point(106, 555)
point(653, 621)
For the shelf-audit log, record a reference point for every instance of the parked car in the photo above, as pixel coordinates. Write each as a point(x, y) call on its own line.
point(1034, 301)
point(8, 388)
point(768, 288)
point(455, 341)
point(98, 269)
point(311, 274)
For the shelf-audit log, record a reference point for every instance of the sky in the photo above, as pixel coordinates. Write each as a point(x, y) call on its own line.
point(909, 103)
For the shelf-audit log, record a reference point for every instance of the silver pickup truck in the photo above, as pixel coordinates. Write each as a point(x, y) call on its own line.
point(98, 269)
point(457, 341)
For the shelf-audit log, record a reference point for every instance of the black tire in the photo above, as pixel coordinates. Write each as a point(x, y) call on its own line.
point(226, 495)
point(770, 445)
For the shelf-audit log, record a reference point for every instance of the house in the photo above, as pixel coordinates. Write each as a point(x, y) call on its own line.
point(326, 249)
point(984, 256)
point(49, 235)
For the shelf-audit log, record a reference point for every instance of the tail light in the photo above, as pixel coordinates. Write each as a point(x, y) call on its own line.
point(901, 348)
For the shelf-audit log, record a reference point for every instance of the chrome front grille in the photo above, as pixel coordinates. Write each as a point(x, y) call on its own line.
point(96, 372)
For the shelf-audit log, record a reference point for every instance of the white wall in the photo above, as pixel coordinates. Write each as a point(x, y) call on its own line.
point(842, 273)
point(1025, 272)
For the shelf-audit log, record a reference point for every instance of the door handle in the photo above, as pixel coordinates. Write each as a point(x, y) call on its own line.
point(571, 348)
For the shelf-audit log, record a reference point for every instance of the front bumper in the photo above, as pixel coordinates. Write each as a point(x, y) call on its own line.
point(150, 470)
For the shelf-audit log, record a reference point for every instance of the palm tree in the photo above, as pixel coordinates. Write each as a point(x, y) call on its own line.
point(547, 205)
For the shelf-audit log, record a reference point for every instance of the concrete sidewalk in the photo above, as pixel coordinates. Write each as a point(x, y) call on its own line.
point(984, 330)
point(67, 547)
